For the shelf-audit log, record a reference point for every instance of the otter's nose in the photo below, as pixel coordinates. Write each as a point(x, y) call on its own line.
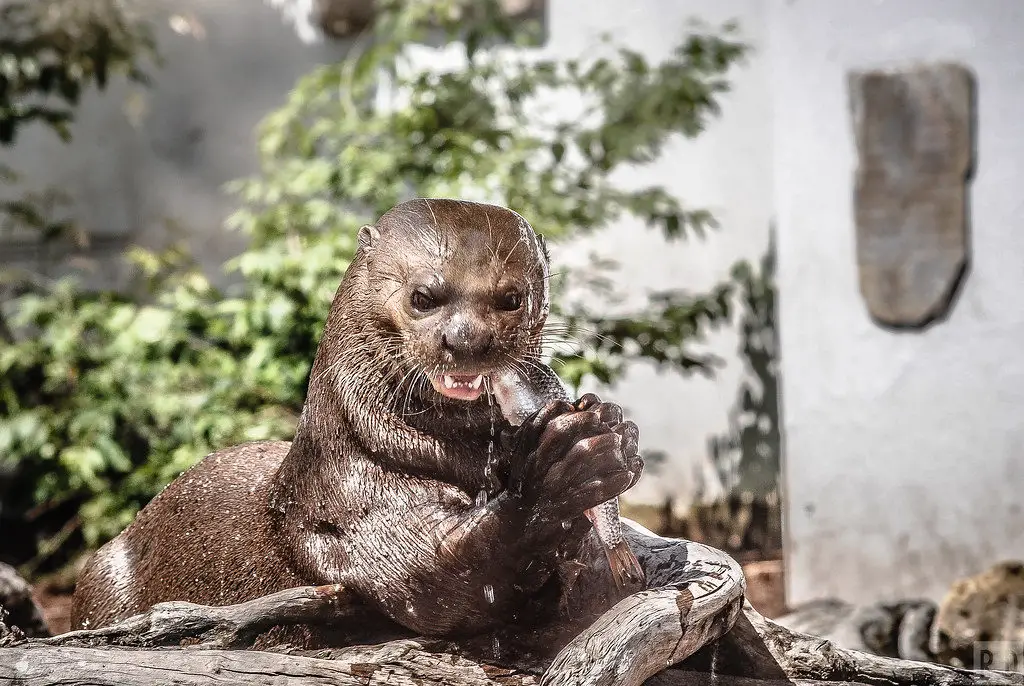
point(463, 338)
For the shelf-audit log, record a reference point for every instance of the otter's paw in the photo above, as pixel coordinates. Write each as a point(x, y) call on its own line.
point(611, 416)
point(522, 442)
point(582, 458)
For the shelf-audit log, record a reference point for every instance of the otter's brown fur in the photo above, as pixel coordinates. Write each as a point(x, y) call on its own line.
point(378, 489)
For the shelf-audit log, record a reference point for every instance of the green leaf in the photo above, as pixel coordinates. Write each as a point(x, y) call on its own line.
point(151, 324)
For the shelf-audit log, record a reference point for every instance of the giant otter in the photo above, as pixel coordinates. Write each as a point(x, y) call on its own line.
point(393, 485)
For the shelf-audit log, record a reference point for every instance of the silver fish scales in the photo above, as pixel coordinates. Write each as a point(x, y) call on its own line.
point(520, 396)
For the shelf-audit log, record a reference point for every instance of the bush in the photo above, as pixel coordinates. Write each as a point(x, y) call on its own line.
point(105, 398)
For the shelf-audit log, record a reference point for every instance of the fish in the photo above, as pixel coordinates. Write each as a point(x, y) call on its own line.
point(519, 396)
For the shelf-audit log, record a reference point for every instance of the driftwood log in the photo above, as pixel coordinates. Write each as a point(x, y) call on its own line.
point(691, 626)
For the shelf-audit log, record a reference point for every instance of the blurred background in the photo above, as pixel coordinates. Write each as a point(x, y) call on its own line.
point(785, 233)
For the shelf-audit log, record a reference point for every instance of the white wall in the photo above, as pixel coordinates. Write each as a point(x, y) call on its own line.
point(726, 170)
point(904, 451)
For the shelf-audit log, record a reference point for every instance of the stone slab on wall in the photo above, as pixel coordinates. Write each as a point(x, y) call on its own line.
point(913, 133)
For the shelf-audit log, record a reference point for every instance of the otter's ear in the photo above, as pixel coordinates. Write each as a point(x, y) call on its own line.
point(368, 235)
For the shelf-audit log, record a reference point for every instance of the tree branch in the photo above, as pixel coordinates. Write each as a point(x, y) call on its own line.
point(690, 625)
point(229, 626)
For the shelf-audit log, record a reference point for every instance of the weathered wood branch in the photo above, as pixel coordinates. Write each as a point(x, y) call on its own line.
point(760, 650)
point(693, 616)
point(694, 597)
point(758, 647)
point(228, 626)
point(397, 662)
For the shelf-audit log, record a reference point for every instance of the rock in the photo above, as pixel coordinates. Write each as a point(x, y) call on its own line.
point(20, 609)
point(980, 623)
point(899, 630)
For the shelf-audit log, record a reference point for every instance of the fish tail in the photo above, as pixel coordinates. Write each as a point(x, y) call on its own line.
point(625, 567)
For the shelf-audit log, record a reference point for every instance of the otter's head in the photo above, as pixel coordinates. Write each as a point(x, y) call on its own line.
point(461, 287)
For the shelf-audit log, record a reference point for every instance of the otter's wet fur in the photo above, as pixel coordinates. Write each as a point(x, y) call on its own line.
point(377, 491)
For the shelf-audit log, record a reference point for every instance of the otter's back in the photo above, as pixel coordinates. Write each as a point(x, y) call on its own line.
point(204, 539)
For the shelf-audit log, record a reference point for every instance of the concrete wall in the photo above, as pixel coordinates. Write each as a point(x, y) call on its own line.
point(904, 451)
point(196, 133)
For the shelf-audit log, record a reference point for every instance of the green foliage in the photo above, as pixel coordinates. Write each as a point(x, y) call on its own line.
point(748, 456)
point(104, 399)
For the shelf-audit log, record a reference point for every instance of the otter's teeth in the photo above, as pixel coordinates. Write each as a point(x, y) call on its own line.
point(452, 383)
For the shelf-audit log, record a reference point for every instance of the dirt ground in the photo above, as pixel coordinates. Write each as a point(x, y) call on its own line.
point(56, 606)
point(766, 587)
point(764, 591)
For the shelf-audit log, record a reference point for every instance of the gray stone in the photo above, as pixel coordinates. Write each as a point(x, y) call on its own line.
point(914, 138)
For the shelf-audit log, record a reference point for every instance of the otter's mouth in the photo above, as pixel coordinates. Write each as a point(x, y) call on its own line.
point(459, 386)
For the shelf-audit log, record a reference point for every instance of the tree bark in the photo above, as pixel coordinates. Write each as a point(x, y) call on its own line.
point(690, 626)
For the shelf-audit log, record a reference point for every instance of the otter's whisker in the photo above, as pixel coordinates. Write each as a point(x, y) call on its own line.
point(397, 391)
point(413, 385)
point(548, 277)
point(565, 328)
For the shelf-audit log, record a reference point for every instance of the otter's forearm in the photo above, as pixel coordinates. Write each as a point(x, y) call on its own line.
point(453, 569)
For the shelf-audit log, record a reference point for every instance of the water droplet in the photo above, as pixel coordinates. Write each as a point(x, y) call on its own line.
point(714, 663)
point(489, 593)
point(496, 648)
point(489, 476)
point(566, 524)
point(481, 497)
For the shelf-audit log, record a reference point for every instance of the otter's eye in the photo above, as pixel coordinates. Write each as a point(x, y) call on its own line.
point(422, 301)
point(511, 301)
